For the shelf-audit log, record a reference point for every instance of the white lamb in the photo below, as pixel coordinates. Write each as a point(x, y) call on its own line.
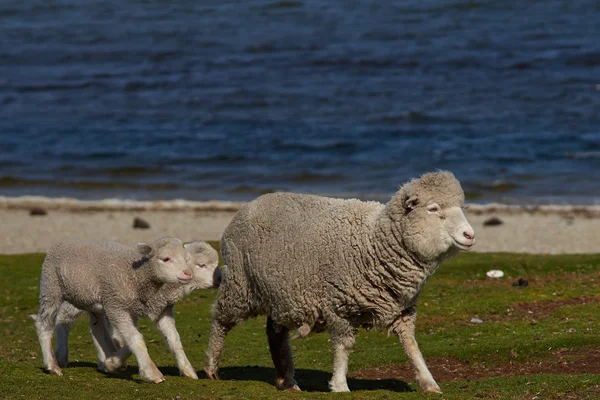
point(113, 281)
point(203, 263)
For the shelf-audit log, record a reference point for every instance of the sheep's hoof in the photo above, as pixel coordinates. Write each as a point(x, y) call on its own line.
point(62, 362)
point(283, 384)
point(214, 375)
point(55, 371)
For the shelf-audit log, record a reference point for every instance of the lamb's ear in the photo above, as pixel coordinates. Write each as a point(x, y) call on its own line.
point(145, 249)
point(191, 247)
point(196, 247)
point(411, 203)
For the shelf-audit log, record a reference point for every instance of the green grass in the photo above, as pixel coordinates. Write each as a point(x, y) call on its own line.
point(555, 317)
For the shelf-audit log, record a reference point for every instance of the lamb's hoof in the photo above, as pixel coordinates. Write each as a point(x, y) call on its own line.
point(213, 375)
point(283, 384)
point(113, 364)
point(433, 390)
point(189, 372)
point(339, 387)
point(154, 376)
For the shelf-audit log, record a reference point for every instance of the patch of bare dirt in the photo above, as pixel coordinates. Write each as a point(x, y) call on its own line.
point(541, 309)
point(450, 369)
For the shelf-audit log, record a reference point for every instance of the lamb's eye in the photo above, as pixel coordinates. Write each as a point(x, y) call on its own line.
point(433, 209)
point(166, 259)
point(201, 265)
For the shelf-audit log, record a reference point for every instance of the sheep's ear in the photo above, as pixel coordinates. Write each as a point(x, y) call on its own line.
point(144, 248)
point(411, 202)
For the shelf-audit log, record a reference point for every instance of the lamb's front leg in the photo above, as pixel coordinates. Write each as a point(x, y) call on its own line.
point(404, 327)
point(125, 326)
point(166, 325)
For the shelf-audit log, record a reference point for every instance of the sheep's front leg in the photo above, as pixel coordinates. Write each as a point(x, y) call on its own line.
point(125, 327)
point(342, 339)
point(166, 325)
point(404, 327)
point(281, 354)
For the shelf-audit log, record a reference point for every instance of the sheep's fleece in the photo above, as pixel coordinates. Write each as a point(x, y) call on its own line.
point(342, 264)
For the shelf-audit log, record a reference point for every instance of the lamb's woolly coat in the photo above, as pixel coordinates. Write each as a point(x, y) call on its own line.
point(113, 280)
point(94, 275)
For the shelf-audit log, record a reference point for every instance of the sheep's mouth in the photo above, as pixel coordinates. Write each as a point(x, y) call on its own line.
point(184, 280)
point(462, 246)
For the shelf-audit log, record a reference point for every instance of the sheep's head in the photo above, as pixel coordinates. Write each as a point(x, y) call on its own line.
point(168, 260)
point(430, 213)
point(203, 261)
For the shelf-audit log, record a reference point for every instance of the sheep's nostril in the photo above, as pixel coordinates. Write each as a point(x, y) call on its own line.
point(469, 235)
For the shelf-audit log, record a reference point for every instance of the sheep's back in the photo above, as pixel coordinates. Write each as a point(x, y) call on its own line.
point(289, 247)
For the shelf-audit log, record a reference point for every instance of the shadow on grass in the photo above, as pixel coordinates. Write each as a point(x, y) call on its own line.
point(82, 364)
point(309, 380)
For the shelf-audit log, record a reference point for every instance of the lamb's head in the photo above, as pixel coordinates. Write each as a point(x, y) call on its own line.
point(204, 261)
point(168, 260)
point(430, 213)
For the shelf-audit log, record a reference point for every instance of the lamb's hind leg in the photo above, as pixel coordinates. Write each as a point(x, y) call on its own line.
point(125, 326)
point(281, 354)
point(102, 340)
point(67, 315)
point(44, 324)
point(405, 329)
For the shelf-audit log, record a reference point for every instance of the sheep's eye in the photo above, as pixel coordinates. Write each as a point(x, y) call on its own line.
point(166, 259)
point(201, 265)
point(433, 209)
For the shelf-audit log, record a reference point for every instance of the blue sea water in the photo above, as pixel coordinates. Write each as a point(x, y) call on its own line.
point(230, 99)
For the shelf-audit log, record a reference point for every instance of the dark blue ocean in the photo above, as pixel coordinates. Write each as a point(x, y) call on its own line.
point(228, 100)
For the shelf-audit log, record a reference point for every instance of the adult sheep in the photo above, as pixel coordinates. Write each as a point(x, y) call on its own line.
point(108, 279)
point(303, 259)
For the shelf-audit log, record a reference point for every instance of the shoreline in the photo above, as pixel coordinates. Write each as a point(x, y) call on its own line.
point(33, 223)
point(114, 204)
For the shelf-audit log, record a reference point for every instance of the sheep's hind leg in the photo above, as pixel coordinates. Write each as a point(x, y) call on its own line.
point(342, 339)
point(281, 354)
point(212, 356)
point(44, 325)
point(404, 327)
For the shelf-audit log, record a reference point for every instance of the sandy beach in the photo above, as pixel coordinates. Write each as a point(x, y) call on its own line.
point(541, 229)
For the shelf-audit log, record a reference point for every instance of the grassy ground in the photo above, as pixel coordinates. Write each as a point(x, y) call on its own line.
point(535, 342)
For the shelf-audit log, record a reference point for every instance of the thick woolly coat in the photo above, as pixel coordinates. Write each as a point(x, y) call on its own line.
point(103, 275)
point(304, 259)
